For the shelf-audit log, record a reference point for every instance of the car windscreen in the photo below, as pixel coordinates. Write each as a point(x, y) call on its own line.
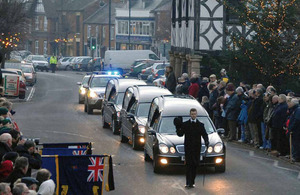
point(65, 59)
point(26, 69)
point(38, 58)
point(119, 99)
point(100, 81)
point(143, 109)
point(161, 66)
point(167, 126)
point(85, 80)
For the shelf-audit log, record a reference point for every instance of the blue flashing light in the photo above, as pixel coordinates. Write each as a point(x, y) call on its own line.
point(109, 73)
point(116, 73)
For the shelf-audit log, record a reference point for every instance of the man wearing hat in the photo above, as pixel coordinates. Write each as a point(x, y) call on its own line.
point(232, 110)
point(3, 112)
point(28, 150)
point(30, 182)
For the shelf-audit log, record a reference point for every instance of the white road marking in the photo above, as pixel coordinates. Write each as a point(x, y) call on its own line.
point(59, 132)
point(177, 185)
point(31, 94)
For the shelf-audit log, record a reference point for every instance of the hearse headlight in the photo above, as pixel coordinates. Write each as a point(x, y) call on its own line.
point(163, 148)
point(218, 148)
point(172, 150)
point(93, 94)
point(142, 129)
point(209, 149)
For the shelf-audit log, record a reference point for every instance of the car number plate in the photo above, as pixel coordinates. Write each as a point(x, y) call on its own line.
point(183, 158)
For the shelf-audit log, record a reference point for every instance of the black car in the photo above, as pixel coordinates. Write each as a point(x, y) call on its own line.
point(113, 99)
point(162, 144)
point(135, 109)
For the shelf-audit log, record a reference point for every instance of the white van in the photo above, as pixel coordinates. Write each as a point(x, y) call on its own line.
point(122, 59)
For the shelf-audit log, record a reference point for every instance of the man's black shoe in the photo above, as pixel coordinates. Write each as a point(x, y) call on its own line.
point(187, 186)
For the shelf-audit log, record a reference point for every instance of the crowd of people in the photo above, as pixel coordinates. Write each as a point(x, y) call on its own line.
point(18, 157)
point(256, 114)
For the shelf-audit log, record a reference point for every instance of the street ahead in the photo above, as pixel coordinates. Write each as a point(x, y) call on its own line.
point(54, 115)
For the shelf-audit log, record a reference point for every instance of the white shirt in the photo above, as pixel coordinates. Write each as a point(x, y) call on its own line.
point(47, 188)
point(193, 120)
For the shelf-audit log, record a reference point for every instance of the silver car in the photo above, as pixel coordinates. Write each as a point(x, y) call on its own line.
point(39, 62)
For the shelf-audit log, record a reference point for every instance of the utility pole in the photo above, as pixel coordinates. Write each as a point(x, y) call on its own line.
point(129, 41)
point(109, 25)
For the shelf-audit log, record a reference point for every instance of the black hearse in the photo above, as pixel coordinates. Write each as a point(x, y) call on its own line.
point(135, 109)
point(162, 144)
point(112, 104)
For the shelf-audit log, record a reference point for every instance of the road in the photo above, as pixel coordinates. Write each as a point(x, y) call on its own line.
point(54, 115)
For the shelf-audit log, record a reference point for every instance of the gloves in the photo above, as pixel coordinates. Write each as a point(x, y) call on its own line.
point(177, 121)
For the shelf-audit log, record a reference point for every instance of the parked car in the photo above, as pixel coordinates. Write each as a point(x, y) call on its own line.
point(138, 68)
point(134, 113)
point(64, 63)
point(22, 85)
point(95, 91)
point(145, 73)
point(39, 62)
point(160, 82)
point(82, 63)
point(82, 90)
point(159, 66)
point(95, 64)
point(162, 144)
point(113, 99)
point(160, 73)
point(30, 74)
point(19, 72)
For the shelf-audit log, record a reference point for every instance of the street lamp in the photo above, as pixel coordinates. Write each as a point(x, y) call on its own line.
point(129, 5)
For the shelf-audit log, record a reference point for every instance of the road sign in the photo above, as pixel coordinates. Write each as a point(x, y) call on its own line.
point(11, 85)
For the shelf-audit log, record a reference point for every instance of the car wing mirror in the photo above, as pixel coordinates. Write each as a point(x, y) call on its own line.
point(85, 86)
point(110, 104)
point(79, 83)
point(130, 115)
point(221, 131)
point(151, 132)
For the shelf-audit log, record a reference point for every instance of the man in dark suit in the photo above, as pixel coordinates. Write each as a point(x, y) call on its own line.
point(193, 130)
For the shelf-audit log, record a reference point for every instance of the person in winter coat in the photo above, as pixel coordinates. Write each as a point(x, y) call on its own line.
point(20, 170)
point(217, 111)
point(194, 88)
point(5, 144)
point(294, 128)
point(28, 150)
point(268, 110)
point(203, 91)
point(278, 119)
point(243, 119)
point(170, 79)
point(232, 110)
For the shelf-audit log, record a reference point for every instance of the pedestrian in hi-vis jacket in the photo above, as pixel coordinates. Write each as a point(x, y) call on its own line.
point(193, 130)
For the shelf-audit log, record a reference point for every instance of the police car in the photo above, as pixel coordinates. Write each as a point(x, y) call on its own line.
point(95, 89)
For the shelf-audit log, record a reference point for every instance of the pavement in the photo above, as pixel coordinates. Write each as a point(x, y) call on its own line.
point(52, 113)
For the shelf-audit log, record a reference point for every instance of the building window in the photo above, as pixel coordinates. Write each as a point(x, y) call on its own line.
point(112, 33)
point(89, 31)
point(45, 47)
point(37, 23)
point(187, 13)
point(36, 47)
point(174, 13)
point(45, 23)
point(103, 32)
point(40, 7)
point(77, 23)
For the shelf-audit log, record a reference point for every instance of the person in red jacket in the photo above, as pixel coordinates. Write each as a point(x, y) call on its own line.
point(194, 88)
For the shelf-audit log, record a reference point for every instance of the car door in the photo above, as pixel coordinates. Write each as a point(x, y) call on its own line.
point(110, 108)
point(131, 118)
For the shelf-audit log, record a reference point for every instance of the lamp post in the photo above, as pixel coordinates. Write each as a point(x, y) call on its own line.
point(109, 25)
point(129, 41)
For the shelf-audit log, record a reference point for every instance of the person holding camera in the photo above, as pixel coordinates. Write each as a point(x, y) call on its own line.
point(28, 150)
point(193, 130)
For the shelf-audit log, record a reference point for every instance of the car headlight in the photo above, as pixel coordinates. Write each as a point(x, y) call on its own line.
point(210, 149)
point(82, 91)
point(172, 150)
point(163, 148)
point(92, 94)
point(218, 148)
point(142, 129)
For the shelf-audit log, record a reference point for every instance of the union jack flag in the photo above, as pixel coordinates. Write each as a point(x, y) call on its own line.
point(96, 169)
point(79, 152)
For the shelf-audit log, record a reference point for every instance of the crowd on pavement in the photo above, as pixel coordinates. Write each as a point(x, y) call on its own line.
point(18, 157)
point(257, 115)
